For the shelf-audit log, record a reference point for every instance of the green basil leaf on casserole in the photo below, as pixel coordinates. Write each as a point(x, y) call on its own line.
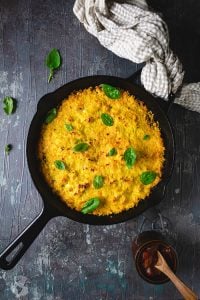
point(148, 177)
point(98, 181)
point(81, 147)
point(51, 115)
point(90, 205)
point(130, 157)
point(107, 119)
point(59, 164)
point(111, 91)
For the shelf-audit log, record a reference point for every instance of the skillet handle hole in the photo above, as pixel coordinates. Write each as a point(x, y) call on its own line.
point(11, 256)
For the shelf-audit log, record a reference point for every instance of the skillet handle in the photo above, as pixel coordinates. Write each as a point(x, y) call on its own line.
point(166, 105)
point(16, 249)
point(153, 212)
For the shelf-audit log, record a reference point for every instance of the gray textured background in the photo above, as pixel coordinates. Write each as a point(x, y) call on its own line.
point(70, 260)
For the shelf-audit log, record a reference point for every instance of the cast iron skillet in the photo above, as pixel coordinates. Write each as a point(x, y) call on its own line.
point(53, 206)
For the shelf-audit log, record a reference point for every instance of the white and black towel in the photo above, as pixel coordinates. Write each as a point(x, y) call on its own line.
point(132, 31)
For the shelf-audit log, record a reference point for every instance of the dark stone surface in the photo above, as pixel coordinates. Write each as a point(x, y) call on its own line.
point(70, 260)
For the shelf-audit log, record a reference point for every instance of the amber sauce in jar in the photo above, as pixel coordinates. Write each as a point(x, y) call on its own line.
point(148, 257)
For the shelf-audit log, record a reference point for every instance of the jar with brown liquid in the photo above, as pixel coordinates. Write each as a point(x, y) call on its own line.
point(145, 247)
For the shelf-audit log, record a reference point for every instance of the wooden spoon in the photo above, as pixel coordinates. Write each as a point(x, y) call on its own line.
point(161, 265)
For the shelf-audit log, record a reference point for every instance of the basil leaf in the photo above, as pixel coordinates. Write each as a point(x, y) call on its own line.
point(69, 127)
point(112, 152)
point(146, 137)
point(98, 181)
point(148, 177)
point(90, 205)
point(111, 91)
point(8, 105)
point(53, 61)
point(8, 148)
point(130, 157)
point(107, 119)
point(59, 164)
point(81, 147)
point(51, 115)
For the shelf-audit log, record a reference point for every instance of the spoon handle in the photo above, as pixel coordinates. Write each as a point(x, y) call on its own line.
point(187, 293)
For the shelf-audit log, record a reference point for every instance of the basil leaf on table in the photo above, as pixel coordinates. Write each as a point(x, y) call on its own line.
point(107, 119)
point(81, 147)
point(8, 148)
point(112, 152)
point(90, 205)
point(148, 177)
point(69, 127)
point(98, 181)
point(51, 115)
point(130, 157)
point(111, 91)
point(8, 105)
point(53, 62)
point(59, 164)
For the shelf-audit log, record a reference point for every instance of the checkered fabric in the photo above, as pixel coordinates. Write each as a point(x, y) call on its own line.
point(132, 31)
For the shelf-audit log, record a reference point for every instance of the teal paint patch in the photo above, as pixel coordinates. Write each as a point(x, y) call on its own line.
point(111, 267)
point(114, 268)
point(110, 288)
point(49, 283)
point(159, 289)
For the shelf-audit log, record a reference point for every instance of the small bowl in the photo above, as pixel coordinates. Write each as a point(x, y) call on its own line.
point(148, 239)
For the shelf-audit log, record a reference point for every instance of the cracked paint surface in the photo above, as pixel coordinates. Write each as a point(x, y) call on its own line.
point(69, 260)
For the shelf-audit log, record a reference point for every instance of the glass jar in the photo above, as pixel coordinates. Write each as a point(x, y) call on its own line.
point(145, 247)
